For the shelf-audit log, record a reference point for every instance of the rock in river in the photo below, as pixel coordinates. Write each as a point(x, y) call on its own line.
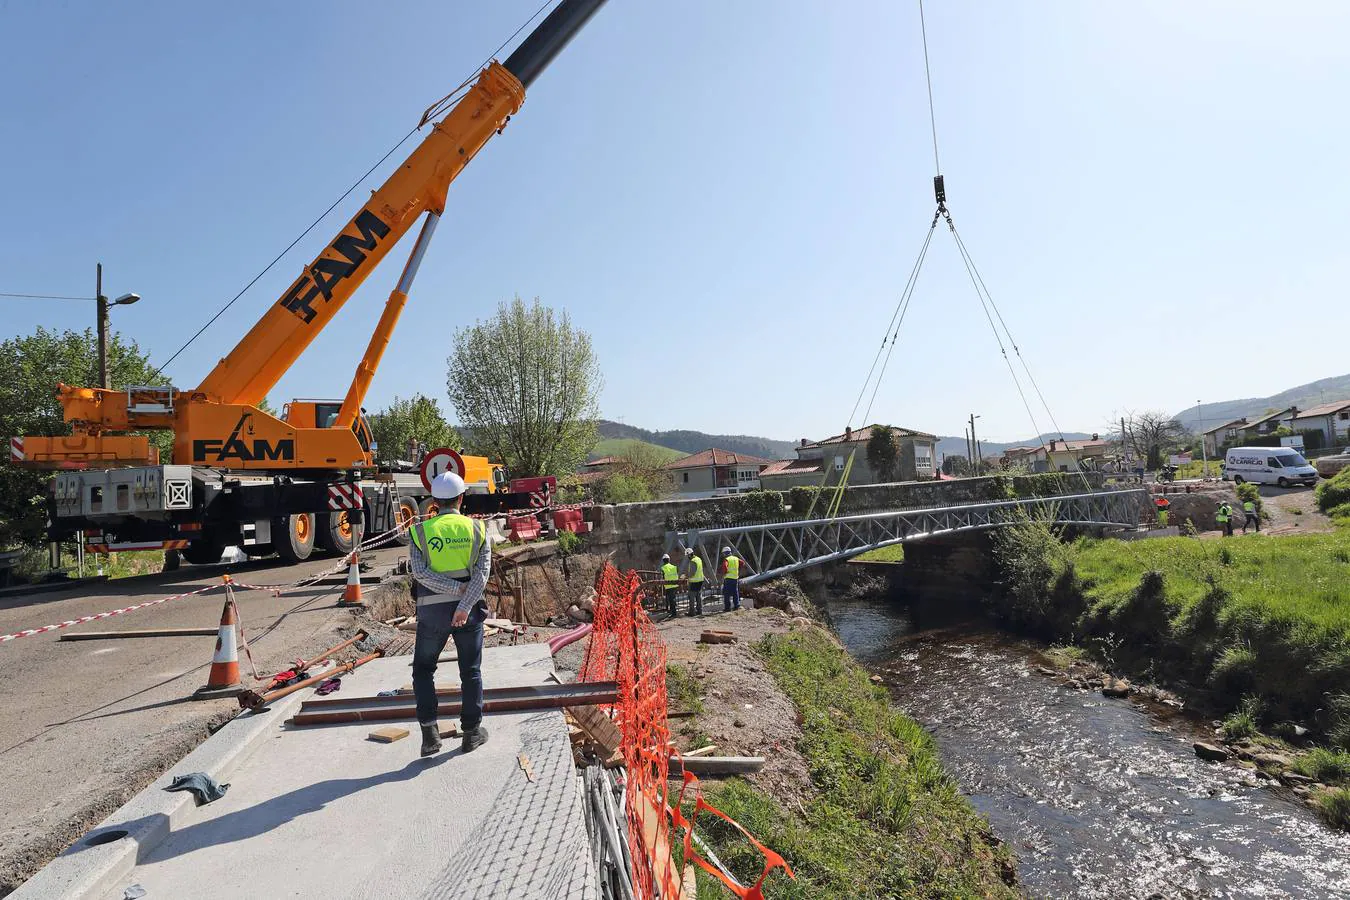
point(1210, 752)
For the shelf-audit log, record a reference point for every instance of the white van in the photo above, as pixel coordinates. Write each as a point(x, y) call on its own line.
point(1268, 465)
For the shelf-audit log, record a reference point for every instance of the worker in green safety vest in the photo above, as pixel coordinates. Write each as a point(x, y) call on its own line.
point(1249, 510)
point(1225, 518)
point(451, 559)
point(732, 570)
point(670, 576)
point(693, 574)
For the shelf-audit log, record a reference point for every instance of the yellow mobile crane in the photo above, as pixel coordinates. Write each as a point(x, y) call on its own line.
point(240, 475)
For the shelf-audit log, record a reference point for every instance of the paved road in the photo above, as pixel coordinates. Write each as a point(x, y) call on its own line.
point(84, 725)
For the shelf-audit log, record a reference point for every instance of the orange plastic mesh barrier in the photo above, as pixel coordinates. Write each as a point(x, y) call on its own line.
point(626, 648)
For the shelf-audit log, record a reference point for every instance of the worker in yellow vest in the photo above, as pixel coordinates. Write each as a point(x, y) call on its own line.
point(1162, 504)
point(693, 574)
point(1252, 516)
point(670, 576)
point(1225, 518)
point(451, 559)
point(732, 570)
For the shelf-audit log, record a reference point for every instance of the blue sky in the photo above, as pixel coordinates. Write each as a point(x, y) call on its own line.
point(727, 195)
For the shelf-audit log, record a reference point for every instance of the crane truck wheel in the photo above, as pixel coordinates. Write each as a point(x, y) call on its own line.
point(335, 532)
point(405, 514)
point(293, 537)
point(428, 507)
point(203, 552)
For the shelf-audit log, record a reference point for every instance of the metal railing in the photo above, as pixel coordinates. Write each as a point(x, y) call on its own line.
point(776, 548)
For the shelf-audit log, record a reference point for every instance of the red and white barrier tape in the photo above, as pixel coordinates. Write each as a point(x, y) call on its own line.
point(103, 615)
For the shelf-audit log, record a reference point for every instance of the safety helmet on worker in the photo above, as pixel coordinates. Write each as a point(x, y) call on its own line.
point(688, 551)
point(665, 557)
point(447, 486)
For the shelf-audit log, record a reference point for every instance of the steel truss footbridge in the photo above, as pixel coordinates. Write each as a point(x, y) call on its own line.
point(776, 548)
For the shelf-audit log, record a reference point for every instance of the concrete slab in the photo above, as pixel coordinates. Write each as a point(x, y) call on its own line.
point(322, 811)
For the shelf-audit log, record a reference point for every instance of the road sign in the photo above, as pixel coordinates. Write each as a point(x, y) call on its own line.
point(438, 461)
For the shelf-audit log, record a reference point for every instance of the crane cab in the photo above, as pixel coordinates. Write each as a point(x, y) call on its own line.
point(322, 414)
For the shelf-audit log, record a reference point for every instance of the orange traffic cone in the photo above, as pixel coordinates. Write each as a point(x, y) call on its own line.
point(224, 678)
point(352, 595)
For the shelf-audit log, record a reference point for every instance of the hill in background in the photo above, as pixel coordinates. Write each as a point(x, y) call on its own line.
point(956, 446)
point(687, 442)
point(1305, 396)
point(621, 446)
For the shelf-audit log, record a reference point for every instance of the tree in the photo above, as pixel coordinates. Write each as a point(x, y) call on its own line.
point(402, 421)
point(526, 384)
point(908, 465)
point(883, 453)
point(33, 365)
point(647, 464)
point(956, 466)
point(1151, 434)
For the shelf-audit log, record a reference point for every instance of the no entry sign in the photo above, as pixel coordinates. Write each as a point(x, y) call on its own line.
point(438, 461)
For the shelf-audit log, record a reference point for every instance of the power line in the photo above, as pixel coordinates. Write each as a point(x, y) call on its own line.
point(344, 196)
point(47, 297)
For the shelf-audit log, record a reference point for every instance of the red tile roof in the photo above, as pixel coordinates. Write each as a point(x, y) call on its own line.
point(604, 461)
point(865, 434)
point(791, 467)
point(1324, 409)
point(715, 457)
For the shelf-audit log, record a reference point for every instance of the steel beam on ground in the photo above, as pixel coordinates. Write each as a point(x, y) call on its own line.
point(495, 700)
point(211, 631)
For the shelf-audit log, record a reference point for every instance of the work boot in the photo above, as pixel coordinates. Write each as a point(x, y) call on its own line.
point(431, 739)
point(474, 739)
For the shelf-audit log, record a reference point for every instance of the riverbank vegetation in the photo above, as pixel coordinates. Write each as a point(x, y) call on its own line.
point(1260, 626)
point(884, 819)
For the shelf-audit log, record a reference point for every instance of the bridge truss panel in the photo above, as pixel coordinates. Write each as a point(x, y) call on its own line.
point(778, 548)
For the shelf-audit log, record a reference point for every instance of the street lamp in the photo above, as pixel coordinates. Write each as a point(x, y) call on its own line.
point(103, 306)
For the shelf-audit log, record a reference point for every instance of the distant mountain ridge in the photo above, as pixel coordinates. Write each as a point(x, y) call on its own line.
point(1305, 396)
point(694, 441)
point(687, 441)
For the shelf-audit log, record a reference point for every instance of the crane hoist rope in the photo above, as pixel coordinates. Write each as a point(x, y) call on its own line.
point(892, 333)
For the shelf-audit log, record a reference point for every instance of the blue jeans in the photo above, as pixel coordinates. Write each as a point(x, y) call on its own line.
point(469, 647)
point(695, 598)
point(731, 594)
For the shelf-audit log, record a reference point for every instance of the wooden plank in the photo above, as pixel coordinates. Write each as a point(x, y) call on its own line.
point(526, 767)
point(598, 727)
point(388, 734)
point(718, 765)
point(701, 751)
point(689, 883)
point(656, 840)
point(716, 637)
point(211, 631)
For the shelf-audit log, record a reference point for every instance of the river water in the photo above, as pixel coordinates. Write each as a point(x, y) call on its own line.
point(1098, 798)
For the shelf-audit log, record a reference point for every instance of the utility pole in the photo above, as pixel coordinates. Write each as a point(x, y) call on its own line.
point(102, 302)
point(969, 451)
point(1204, 451)
point(974, 443)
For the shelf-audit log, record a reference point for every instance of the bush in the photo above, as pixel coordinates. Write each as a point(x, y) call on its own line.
point(1334, 807)
point(1245, 722)
point(624, 489)
point(569, 542)
point(1334, 492)
point(1038, 584)
point(1235, 671)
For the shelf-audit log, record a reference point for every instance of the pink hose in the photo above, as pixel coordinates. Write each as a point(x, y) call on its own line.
point(560, 641)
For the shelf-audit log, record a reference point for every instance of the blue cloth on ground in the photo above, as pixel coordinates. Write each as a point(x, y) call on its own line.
point(203, 787)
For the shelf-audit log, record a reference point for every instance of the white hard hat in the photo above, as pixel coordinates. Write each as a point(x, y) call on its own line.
point(688, 551)
point(447, 486)
point(665, 557)
point(726, 551)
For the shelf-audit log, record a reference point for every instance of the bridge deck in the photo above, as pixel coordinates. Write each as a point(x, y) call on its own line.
point(778, 548)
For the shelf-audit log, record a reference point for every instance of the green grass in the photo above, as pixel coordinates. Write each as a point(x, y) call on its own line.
point(1243, 722)
point(620, 446)
point(892, 554)
point(1197, 469)
point(885, 821)
point(1334, 807)
point(1259, 616)
point(1327, 766)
